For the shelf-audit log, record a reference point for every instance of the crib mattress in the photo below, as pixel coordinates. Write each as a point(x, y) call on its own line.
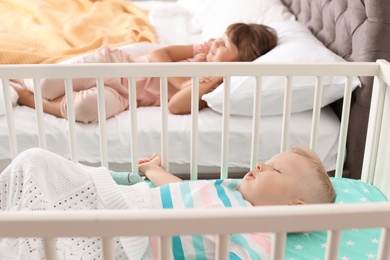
point(149, 138)
point(355, 243)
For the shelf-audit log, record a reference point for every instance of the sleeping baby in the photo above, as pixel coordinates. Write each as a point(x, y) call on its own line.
point(40, 180)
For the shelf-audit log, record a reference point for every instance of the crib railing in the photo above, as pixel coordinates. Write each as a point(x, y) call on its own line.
point(165, 70)
point(277, 219)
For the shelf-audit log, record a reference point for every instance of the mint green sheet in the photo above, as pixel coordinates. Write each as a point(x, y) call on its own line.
point(355, 244)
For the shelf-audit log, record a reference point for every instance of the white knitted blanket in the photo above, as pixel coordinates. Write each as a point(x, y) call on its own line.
point(40, 180)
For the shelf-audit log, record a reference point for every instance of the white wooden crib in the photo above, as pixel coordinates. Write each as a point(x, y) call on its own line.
point(279, 220)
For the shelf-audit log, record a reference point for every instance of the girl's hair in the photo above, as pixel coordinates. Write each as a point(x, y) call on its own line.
point(252, 40)
point(324, 191)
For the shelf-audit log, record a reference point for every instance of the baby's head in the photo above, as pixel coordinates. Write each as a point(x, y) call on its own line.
point(293, 177)
point(252, 40)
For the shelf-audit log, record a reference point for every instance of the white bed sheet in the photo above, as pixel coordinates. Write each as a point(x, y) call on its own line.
point(149, 137)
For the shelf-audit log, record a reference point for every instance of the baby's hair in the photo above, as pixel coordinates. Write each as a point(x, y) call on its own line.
point(323, 193)
point(252, 40)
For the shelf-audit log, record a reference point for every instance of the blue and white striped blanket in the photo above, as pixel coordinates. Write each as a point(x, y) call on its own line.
point(207, 194)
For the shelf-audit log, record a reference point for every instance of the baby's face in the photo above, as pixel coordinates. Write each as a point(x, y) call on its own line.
point(277, 181)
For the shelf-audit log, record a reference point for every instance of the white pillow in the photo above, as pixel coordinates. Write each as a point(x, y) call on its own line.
point(197, 9)
point(221, 13)
point(296, 44)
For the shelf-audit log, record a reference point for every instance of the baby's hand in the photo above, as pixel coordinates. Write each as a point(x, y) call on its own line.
point(148, 162)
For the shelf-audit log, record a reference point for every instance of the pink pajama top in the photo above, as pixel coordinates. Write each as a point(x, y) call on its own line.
point(115, 92)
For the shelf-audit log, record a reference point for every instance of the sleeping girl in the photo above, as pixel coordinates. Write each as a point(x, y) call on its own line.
point(40, 180)
point(240, 42)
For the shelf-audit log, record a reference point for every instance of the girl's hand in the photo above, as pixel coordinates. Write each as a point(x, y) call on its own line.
point(204, 80)
point(200, 57)
point(205, 47)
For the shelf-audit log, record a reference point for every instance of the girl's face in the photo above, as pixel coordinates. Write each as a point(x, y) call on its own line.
point(277, 182)
point(222, 50)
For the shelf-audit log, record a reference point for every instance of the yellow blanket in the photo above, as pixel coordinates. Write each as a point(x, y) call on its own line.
point(48, 31)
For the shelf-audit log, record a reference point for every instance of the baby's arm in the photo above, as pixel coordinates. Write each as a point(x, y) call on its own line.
point(151, 167)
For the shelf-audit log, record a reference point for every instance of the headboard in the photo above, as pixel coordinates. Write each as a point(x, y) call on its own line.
point(357, 30)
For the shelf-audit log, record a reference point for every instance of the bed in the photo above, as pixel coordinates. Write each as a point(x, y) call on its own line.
point(184, 144)
point(355, 227)
point(164, 15)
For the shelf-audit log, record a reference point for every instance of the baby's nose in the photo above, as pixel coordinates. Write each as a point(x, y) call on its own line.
point(261, 166)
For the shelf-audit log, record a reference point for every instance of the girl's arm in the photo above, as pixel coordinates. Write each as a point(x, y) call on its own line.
point(180, 103)
point(151, 167)
point(173, 53)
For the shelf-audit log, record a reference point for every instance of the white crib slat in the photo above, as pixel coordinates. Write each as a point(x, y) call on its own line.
point(256, 122)
point(10, 119)
point(278, 245)
point(384, 246)
point(222, 247)
point(108, 248)
point(381, 179)
point(39, 112)
point(71, 119)
point(344, 127)
point(194, 128)
point(225, 128)
point(102, 122)
point(50, 248)
point(333, 243)
point(133, 124)
point(286, 114)
point(316, 112)
point(165, 247)
point(164, 121)
point(373, 130)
